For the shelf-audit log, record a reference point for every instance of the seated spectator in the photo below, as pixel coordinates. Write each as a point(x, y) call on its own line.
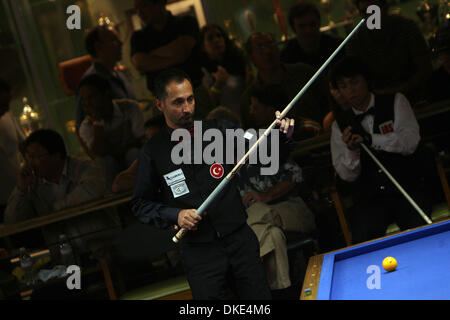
point(113, 130)
point(51, 180)
point(11, 135)
point(125, 180)
point(166, 42)
point(264, 97)
point(272, 202)
point(387, 126)
point(105, 48)
point(265, 55)
point(397, 54)
point(310, 46)
point(224, 67)
point(439, 82)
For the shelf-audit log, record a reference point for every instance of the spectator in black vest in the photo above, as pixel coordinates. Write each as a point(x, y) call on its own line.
point(386, 124)
point(310, 46)
point(105, 48)
point(219, 243)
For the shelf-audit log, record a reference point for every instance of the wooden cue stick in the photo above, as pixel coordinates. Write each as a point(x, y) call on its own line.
point(180, 234)
point(399, 187)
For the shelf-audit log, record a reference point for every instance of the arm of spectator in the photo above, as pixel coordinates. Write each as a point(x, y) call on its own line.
point(90, 186)
point(137, 123)
point(125, 180)
point(146, 204)
point(346, 162)
point(276, 192)
point(19, 207)
point(174, 53)
point(406, 135)
point(92, 134)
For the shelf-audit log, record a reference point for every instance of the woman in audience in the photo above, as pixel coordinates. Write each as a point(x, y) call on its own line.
point(224, 67)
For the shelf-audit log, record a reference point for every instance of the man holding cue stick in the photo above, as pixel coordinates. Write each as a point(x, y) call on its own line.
point(221, 244)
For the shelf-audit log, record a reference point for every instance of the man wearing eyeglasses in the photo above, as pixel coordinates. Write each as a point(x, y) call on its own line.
point(51, 180)
point(264, 53)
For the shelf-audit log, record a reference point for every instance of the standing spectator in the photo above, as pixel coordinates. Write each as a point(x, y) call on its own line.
point(105, 48)
point(397, 54)
point(113, 130)
point(310, 46)
point(168, 41)
point(265, 55)
point(224, 67)
point(11, 135)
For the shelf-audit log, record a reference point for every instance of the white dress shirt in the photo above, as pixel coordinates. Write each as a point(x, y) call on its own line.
point(404, 139)
point(123, 110)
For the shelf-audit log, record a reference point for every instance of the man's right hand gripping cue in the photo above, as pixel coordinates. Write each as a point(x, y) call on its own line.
point(188, 219)
point(351, 140)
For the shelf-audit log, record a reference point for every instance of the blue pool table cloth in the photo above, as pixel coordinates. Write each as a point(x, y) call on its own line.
point(423, 271)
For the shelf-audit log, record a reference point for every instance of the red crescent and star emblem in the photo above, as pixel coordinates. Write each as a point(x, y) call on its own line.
point(216, 171)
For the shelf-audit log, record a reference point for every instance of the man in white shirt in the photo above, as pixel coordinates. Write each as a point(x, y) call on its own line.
point(387, 125)
point(11, 135)
point(51, 180)
point(113, 130)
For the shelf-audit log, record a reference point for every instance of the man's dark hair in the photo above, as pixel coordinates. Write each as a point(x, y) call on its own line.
point(301, 9)
point(271, 95)
point(248, 44)
point(5, 86)
point(50, 140)
point(349, 67)
point(92, 37)
point(163, 78)
point(96, 81)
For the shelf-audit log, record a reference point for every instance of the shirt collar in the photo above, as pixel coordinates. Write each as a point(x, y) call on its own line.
point(64, 174)
point(371, 105)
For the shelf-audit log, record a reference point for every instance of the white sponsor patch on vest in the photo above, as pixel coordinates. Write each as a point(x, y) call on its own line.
point(174, 177)
point(179, 189)
point(176, 181)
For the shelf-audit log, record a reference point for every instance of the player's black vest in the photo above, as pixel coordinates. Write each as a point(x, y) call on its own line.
point(407, 170)
point(225, 214)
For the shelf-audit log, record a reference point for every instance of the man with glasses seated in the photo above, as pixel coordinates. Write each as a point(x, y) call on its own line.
point(51, 180)
point(265, 55)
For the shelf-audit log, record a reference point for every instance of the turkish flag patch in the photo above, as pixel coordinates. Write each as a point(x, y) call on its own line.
point(216, 171)
point(386, 127)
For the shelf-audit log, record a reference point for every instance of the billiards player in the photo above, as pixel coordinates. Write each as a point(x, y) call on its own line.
point(386, 124)
point(219, 245)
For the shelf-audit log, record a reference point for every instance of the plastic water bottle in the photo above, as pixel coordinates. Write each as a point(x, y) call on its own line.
point(26, 263)
point(65, 251)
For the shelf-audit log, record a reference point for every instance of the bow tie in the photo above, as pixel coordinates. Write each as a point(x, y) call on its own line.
point(360, 117)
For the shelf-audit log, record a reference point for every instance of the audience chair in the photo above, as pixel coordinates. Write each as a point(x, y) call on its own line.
point(71, 71)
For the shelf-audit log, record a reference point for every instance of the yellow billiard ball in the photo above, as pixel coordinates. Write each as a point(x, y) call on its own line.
point(389, 264)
